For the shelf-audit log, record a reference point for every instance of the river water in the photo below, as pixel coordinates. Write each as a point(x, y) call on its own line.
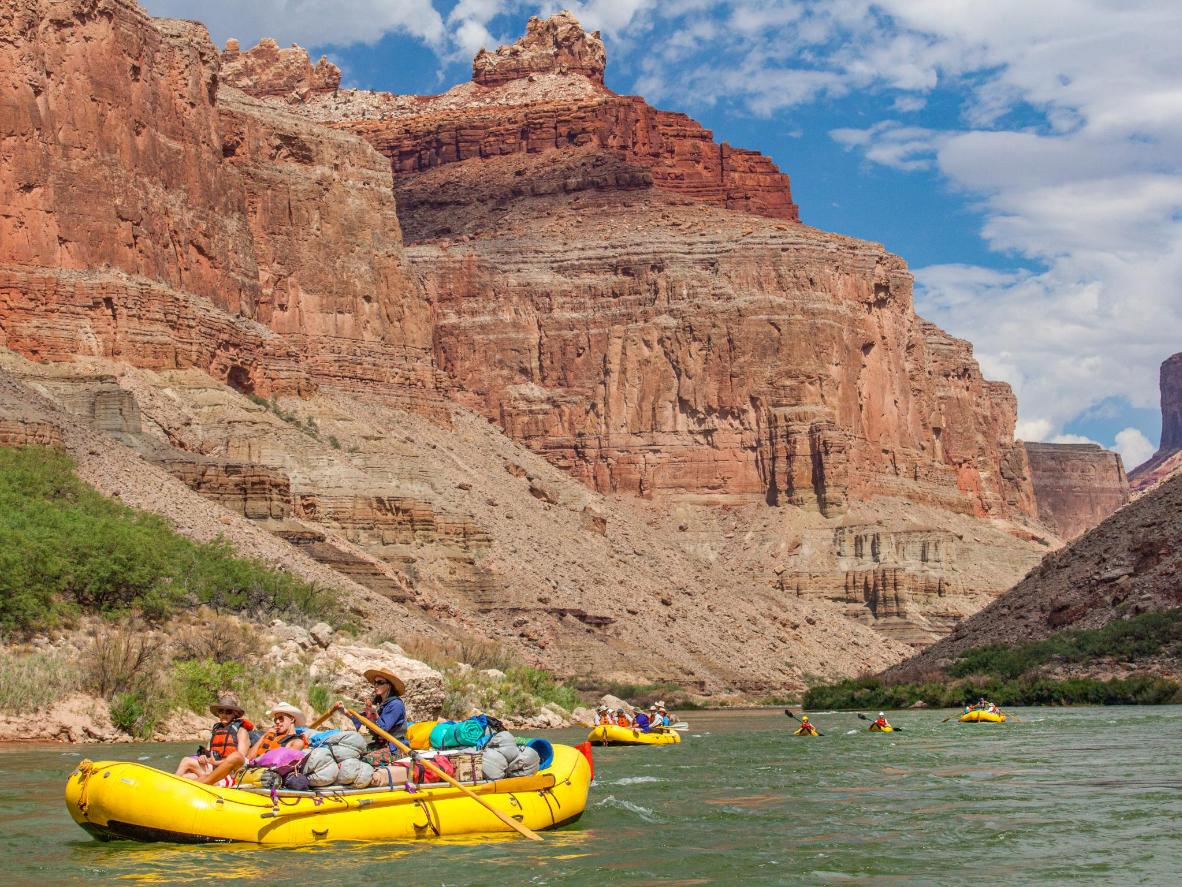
point(1065, 796)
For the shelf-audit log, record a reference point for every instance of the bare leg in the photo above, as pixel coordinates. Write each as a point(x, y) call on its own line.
point(192, 767)
point(224, 767)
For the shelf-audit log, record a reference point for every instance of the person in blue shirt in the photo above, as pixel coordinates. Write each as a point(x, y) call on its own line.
point(386, 709)
point(642, 722)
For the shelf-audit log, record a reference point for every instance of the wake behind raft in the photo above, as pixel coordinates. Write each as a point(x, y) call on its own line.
point(118, 799)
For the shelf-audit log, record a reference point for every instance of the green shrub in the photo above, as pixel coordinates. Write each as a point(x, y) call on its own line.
point(197, 682)
point(319, 697)
point(66, 549)
point(139, 712)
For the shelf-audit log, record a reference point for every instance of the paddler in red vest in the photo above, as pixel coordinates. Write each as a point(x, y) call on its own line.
point(806, 726)
point(881, 723)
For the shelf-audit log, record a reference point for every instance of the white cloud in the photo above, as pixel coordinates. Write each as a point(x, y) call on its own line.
point(1134, 447)
point(295, 21)
point(1073, 439)
point(1033, 430)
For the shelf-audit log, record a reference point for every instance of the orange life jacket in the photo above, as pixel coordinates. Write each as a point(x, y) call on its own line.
point(223, 739)
point(622, 721)
point(271, 740)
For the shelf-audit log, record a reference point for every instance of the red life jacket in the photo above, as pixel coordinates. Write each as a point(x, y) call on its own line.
point(881, 722)
point(223, 739)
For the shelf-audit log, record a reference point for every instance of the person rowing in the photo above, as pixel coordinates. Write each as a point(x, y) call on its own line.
point(881, 723)
point(806, 727)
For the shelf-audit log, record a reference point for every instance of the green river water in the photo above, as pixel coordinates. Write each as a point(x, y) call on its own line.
point(1066, 796)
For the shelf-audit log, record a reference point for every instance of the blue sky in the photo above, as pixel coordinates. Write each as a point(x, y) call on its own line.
point(1019, 156)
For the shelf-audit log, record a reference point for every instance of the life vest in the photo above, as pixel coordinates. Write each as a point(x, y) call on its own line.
point(881, 722)
point(223, 739)
point(622, 721)
point(605, 719)
point(270, 740)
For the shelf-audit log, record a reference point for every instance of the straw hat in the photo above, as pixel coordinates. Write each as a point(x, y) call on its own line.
point(227, 702)
point(286, 708)
point(373, 674)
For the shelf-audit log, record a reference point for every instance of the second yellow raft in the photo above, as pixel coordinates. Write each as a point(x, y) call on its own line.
point(610, 734)
point(983, 717)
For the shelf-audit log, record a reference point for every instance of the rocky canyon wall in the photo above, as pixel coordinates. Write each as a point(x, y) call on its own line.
point(1167, 461)
point(1076, 485)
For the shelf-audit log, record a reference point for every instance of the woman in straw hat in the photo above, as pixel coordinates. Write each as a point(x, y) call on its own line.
point(386, 708)
point(229, 741)
point(284, 734)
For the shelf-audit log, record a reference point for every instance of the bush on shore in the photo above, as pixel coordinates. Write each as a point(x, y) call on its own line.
point(65, 550)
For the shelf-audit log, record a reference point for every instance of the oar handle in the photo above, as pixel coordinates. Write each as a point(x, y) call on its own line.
point(446, 777)
point(324, 717)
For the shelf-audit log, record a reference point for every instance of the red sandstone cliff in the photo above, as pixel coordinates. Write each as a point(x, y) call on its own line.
point(1167, 461)
point(1076, 485)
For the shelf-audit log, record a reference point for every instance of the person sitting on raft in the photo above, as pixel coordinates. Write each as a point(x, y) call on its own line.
point(229, 741)
point(806, 726)
point(386, 709)
point(603, 716)
point(286, 718)
point(666, 721)
point(642, 722)
point(882, 722)
point(622, 719)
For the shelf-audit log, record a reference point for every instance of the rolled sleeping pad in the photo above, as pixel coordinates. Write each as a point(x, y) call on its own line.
point(544, 749)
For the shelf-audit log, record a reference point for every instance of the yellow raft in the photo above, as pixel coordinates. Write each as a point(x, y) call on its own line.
point(874, 728)
point(983, 717)
point(800, 731)
point(117, 799)
point(610, 734)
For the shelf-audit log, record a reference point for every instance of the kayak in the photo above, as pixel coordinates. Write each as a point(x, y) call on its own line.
point(610, 734)
point(983, 717)
point(874, 728)
point(800, 731)
point(119, 799)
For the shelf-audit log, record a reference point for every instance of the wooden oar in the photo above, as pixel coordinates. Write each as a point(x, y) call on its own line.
point(893, 727)
point(795, 718)
point(446, 777)
point(324, 717)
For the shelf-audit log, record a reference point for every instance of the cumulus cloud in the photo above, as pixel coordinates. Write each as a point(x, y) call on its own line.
point(1134, 447)
point(294, 21)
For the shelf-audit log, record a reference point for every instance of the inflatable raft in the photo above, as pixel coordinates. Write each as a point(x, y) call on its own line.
point(117, 799)
point(800, 731)
point(610, 734)
point(874, 728)
point(983, 717)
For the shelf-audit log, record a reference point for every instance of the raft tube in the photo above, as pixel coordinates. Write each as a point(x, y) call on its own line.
point(983, 717)
point(118, 799)
point(874, 728)
point(610, 734)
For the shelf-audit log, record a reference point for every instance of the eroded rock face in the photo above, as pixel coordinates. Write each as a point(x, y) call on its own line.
point(286, 73)
point(557, 45)
point(1167, 461)
point(1076, 485)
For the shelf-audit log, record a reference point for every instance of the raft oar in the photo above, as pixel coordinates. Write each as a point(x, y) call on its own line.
point(893, 727)
point(324, 717)
point(446, 777)
point(795, 718)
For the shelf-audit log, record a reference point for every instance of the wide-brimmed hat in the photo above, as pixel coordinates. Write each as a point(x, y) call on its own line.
point(286, 708)
point(373, 674)
point(227, 702)
point(652, 708)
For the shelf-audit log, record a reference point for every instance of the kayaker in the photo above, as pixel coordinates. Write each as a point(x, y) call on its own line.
point(386, 709)
point(286, 719)
point(881, 723)
point(229, 741)
point(806, 726)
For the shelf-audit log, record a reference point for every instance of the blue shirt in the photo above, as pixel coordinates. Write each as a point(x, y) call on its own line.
point(642, 722)
point(391, 718)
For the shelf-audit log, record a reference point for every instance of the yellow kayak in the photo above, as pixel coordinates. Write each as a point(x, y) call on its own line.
point(802, 732)
point(610, 734)
point(117, 799)
point(983, 717)
point(874, 728)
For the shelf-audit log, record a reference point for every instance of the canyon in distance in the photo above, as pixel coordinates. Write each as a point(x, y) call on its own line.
point(527, 361)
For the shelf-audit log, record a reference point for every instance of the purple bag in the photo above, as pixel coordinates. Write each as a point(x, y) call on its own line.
point(277, 757)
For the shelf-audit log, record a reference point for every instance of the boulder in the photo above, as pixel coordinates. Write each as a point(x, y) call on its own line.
point(322, 633)
point(346, 663)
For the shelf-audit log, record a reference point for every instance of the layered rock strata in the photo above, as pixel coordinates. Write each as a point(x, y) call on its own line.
point(1076, 485)
point(1167, 461)
point(147, 221)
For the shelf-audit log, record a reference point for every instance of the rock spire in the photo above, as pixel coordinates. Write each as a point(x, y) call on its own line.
point(557, 45)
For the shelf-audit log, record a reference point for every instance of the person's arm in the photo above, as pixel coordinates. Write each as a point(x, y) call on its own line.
point(243, 742)
point(393, 714)
point(254, 749)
